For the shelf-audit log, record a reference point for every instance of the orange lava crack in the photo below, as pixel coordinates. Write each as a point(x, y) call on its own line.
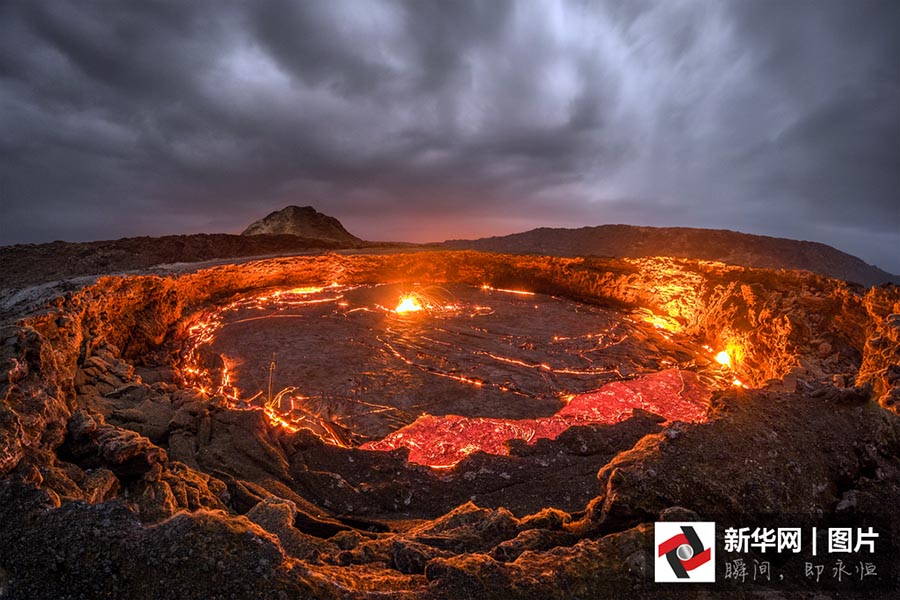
point(443, 441)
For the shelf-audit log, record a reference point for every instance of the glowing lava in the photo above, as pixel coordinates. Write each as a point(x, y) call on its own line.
point(659, 321)
point(408, 303)
point(204, 331)
point(469, 378)
point(723, 358)
point(488, 288)
point(441, 442)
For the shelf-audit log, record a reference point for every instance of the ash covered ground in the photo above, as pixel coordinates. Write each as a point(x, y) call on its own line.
point(126, 475)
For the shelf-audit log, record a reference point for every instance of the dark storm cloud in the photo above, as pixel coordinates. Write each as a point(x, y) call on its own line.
point(428, 120)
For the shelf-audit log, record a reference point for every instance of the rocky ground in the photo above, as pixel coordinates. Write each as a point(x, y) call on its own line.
point(118, 481)
point(29, 264)
point(732, 247)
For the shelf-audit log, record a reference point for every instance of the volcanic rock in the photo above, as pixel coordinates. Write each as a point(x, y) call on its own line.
point(304, 222)
point(29, 264)
point(160, 491)
point(92, 443)
point(278, 516)
point(731, 247)
point(759, 435)
point(412, 557)
point(102, 551)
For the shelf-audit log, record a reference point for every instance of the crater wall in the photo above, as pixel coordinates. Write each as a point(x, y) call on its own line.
point(93, 415)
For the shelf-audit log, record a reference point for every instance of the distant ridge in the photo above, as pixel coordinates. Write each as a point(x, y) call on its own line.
point(302, 221)
point(28, 264)
point(628, 241)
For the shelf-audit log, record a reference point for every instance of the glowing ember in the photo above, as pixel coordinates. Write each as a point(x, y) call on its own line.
point(408, 303)
point(301, 291)
point(444, 441)
point(488, 288)
point(659, 321)
point(723, 358)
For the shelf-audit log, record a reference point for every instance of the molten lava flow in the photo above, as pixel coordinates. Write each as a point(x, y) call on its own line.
point(488, 288)
point(408, 303)
point(502, 368)
point(195, 374)
point(723, 358)
point(659, 321)
point(442, 442)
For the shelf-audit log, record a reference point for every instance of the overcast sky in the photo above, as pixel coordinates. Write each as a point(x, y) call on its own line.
point(423, 121)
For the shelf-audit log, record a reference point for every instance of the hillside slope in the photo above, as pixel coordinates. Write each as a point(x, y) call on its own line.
point(627, 241)
point(302, 221)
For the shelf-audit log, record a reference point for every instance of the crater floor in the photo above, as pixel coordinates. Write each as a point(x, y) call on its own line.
point(355, 364)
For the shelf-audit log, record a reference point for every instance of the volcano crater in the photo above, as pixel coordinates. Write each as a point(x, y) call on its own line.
point(422, 409)
point(355, 364)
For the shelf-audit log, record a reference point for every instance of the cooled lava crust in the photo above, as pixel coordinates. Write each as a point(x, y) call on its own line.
point(124, 477)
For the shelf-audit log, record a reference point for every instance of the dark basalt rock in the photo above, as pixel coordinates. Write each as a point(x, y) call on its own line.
point(91, 443)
